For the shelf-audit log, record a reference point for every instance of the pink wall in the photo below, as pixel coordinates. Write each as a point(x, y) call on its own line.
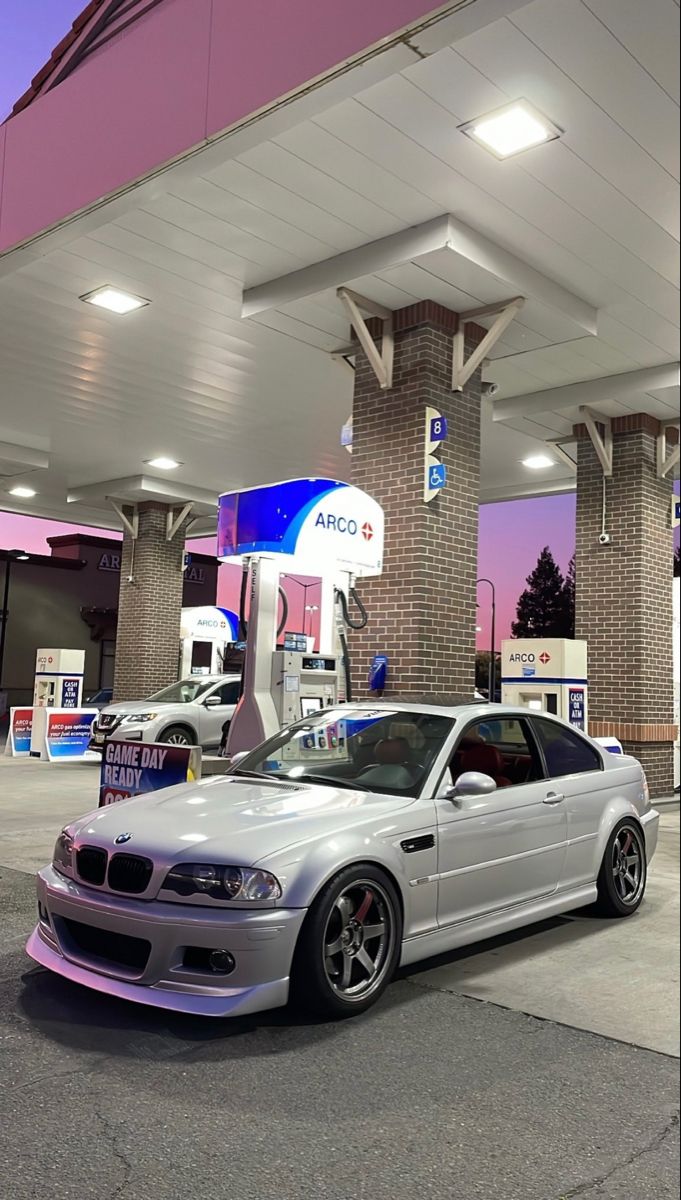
point(180, 75)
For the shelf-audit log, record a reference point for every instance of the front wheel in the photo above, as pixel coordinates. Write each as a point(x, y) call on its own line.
point(176, 735)
point(350, 943)
point(624, 870)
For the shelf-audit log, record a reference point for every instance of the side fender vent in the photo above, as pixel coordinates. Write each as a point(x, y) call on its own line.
point(412, 845)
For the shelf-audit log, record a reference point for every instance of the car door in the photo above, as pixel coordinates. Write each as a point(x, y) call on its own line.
point(506, 848)
point(575, 767)
point(217, 707)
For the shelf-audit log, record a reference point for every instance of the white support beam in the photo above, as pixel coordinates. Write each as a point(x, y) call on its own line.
point(381, 361)
point(665, 461)
point(131, 526)
point(561, 454)
point(590, 391)
point(441, 233)
point(462, 368)
point(601, 444)
point(173, 523)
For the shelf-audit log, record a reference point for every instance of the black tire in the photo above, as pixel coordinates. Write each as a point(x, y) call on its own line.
point(178, 735)
point(358, 899)
point(624, 870)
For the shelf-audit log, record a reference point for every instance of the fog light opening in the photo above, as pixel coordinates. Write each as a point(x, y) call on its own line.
point(221, 962)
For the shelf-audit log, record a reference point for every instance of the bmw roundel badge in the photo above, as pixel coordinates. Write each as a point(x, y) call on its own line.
point(122, 838)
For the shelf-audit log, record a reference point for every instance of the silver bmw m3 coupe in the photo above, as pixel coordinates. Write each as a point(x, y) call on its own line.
point(357, 840)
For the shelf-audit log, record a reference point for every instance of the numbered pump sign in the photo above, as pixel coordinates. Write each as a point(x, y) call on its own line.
point(434, 471)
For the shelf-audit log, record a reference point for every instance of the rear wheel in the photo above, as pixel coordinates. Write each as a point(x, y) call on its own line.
point(623, 873)
point(350, 943)
point(177, 735)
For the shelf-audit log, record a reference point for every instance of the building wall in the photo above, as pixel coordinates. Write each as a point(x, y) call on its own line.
point(45, 607)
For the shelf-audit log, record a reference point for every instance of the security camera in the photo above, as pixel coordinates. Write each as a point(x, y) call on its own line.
point(604, 539)
point(490, 389)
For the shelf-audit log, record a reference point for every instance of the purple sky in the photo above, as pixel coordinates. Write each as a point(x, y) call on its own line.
point(29, 30)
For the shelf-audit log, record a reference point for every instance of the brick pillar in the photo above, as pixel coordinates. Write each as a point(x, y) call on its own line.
point(149, 607)
point(422, 610)
point(624, 595)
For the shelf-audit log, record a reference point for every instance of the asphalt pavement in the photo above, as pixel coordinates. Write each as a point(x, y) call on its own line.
point(432, 1094)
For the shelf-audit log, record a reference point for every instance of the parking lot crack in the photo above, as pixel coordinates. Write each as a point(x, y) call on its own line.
point(589, 1187)
point(112, 1139)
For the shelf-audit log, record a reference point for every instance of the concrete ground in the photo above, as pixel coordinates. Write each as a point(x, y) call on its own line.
point(540, 1066)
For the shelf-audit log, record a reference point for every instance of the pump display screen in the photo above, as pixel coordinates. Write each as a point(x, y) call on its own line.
point(310, 705)
point(295, 641)
point(319, 664)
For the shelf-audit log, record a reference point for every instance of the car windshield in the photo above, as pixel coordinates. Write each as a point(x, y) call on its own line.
point(183, 692)
point(376, 750)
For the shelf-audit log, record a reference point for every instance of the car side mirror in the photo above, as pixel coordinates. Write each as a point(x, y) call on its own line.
point(471, 783)
point(212, 701)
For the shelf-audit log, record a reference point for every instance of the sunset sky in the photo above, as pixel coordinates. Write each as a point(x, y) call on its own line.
point(511, 535)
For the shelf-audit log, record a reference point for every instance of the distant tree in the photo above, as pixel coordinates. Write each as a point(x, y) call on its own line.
point(482, 661)
point(569, 599)
point(542, 609)
point(677, 562)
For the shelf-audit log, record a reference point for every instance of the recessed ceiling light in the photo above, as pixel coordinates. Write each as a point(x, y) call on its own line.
point(162, 463)
point(510, 130)
point(114, 300)
point(25, 493)
point(537, 462)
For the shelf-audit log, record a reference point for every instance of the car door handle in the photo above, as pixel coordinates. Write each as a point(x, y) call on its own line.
point(553, 798)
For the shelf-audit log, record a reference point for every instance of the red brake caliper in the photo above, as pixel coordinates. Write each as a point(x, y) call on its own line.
point(364, 907)
point(627, 844)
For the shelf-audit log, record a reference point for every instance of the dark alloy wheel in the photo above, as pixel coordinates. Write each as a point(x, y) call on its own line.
point(177, 735)
point(622, 877)
point(350, 944)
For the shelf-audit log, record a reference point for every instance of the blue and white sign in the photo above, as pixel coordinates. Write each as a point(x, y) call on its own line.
point(209, 624)
point(434, 472)
point(70, 693)
point(576, 707)
point(438, 429)
point(321, 523)
point(437, 476)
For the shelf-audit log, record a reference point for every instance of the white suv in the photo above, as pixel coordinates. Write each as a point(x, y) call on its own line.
point(192, 712)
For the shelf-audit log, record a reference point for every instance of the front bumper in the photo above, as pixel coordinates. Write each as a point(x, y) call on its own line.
point(261, 942)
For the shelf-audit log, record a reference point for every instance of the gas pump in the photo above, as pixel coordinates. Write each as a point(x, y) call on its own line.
point(316, 527)
point(205, 633)
point(547, 674)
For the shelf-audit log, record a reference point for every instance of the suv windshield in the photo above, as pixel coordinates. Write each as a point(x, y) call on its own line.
point(183, 692)
point(376, 750)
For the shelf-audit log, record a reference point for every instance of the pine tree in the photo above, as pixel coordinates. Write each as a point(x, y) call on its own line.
point(569, 600)
point(542, 610)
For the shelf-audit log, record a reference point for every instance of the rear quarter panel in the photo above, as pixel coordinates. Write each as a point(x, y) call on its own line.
point(596, 802)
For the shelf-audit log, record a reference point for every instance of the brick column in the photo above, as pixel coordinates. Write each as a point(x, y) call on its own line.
point(624, 595)
point(149, 607)
point(422, 610)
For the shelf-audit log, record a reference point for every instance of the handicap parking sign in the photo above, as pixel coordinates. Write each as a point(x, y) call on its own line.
point(437, 476)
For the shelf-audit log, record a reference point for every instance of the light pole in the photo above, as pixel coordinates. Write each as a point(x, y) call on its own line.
point(492, 660)
point(12, 556)
point(310, 608)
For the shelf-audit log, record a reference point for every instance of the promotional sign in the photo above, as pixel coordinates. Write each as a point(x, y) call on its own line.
point(134, 768)
point(209, 623)
point(70, 689)
point(576, 713)
point(322, 523)
point(20, 726)
point(68, 734)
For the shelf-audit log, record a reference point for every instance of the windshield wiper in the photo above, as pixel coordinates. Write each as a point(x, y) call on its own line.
point(341, 783)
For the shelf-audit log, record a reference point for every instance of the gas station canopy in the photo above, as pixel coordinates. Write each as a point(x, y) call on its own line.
point(326, 152)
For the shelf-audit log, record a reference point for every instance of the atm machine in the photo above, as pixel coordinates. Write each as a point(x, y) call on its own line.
point(320, 527)
point(58, 683)
point(547, 674)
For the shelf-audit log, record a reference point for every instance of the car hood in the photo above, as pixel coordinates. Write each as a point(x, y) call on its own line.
point(230, 819)
point(129, 709)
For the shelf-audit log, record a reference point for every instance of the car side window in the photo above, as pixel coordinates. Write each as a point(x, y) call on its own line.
point(500, 747)
point(228, 692)
point(565, 752)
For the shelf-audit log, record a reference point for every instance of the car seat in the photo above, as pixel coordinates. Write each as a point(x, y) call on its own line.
point(488, 761)
point(392, 767)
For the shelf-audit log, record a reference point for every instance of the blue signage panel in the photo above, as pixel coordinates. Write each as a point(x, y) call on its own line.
point(437, 476)
point(69, 693)
point(576, 707)
point(438, 429)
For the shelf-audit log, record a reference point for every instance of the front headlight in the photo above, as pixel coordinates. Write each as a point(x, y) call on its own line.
point(62, 858)
point(138, 718)
point(222, 883)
